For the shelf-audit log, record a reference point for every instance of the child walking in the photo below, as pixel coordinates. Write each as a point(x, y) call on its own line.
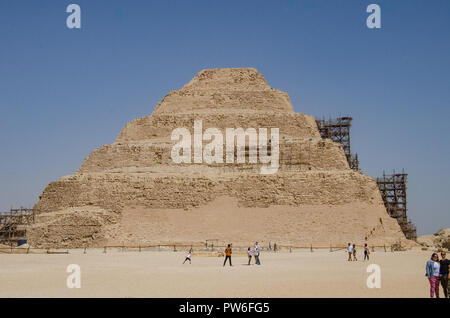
point(250, 255)
point(188, 257)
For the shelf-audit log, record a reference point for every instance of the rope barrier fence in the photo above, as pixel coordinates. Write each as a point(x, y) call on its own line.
point(197, 248)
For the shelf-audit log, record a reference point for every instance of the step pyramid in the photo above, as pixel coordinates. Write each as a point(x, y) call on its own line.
point(131, 192)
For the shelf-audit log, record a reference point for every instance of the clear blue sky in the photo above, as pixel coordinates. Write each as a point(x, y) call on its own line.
point(66, 92)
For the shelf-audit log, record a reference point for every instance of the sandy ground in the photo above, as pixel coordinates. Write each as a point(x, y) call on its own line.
point(161, 274)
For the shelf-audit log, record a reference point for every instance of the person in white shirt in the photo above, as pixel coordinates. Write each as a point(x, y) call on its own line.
point(433, 273)
point(250, 255)
point(349, 251)
point(257, 253)
point(366, 251)
point(188, 257)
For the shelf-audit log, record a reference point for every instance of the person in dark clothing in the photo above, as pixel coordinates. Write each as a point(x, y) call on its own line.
point(227, 255)
point(366, 251)
point(444, 274)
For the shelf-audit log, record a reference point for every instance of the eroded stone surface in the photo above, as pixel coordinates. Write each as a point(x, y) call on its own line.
point(313, 198)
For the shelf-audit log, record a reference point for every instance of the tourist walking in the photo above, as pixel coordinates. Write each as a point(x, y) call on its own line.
point(227, 255)
point(349, 251)
point(444, 274)
point(354, 253)
point(250, 255)
point(366, 251)
point(188, 257)
point(433, 272)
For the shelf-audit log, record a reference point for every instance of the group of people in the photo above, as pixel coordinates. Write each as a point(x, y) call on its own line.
point(254, 252)
point(437, 271)
point(274, 247)
point(251, 252)
point(351, 250)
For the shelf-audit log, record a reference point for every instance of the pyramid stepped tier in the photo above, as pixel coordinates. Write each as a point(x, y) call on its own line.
point(132, 192)
point(299, 155)
point(113, 191)
point(226, 90)
point(161, 126)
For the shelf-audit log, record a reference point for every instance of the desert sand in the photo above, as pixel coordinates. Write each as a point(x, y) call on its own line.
point(161, 274)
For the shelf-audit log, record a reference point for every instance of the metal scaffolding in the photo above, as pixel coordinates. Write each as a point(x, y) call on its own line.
point(392, 187)
point(393, 191)
point(13, 224)
point(338, 130)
